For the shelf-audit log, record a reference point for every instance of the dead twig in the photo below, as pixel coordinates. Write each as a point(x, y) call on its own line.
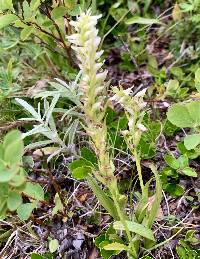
point(14, 124)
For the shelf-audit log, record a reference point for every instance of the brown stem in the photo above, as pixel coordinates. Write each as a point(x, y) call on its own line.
point(67, 48)
point(13, 125)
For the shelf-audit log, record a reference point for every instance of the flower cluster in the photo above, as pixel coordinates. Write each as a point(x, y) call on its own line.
point(134, 109)
point(86, 43)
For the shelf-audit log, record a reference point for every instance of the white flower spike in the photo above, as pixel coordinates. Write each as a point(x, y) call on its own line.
point(86, 44)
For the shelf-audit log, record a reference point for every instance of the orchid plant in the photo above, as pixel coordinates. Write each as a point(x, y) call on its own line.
point(93, 100)
point(85, 41)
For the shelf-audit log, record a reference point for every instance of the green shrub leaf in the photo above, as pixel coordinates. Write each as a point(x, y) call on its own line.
point(183, 161)
point(36, 256)
point(14, 200)
point(24, 210)
point(189, 172)
point(7, 174)
point(53, 245)
point(81, 172)
point(89, 155)
point(174, 190)
point(7, 19)
point(34, 191)
point(171, 161)
point(185, 115)
point(59, 12)
point(6, 5)
point(197, 80)
point(34, 4)
point(13, 146)
point(192, 141)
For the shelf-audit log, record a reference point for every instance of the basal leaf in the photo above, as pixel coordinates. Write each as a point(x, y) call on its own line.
point(104, 200)
point(135, 228)
point(158, 197)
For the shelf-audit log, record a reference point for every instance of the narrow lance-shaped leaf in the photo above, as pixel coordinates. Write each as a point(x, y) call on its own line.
point(158, 196)
point(29, 108)
point(104, 200)
point(135, 228)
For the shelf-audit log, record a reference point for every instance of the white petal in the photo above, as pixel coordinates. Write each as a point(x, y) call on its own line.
point(141, 127)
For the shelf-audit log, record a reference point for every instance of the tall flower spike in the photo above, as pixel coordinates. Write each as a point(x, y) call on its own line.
point(86, 43)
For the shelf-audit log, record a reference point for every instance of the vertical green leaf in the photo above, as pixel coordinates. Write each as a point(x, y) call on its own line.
point(157, 200)
point(104, 200)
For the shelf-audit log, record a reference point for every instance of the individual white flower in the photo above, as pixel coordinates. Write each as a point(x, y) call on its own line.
point(141, 93)
point(131, 123)
point(127, 91)
point(141, 127)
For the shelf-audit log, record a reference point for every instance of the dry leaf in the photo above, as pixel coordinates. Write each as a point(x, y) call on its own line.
point(160, 214)
point(94, 254)
point(45, 151)
point(176, 13)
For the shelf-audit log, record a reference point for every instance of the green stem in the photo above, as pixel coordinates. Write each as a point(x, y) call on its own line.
point(120, 212)
point(132, 254)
